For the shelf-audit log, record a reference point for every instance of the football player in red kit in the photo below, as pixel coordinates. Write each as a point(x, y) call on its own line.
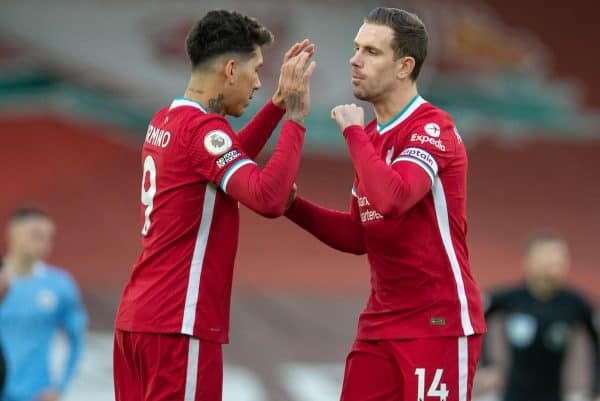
point(419, 336)
point(174, 312)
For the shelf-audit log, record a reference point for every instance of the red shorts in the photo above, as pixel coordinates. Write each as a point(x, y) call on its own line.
point(166, 367)
point(424, 369)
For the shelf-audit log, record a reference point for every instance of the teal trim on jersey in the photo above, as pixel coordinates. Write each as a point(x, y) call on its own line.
point(193, 101)
point(381, 127)
point(232, 169)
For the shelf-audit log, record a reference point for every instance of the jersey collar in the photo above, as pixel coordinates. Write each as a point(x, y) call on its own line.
point(402, 115)
point(183, 101)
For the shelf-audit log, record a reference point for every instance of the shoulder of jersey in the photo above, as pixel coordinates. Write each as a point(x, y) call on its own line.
point(160, 114)
point(421, 116)
point(217, 134)
point(193, 120)
point(435, 124)
point(429, 114)
point(57, 273)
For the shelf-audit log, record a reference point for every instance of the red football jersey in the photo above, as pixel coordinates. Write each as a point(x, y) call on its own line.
point(181, 283)
point(420, 276)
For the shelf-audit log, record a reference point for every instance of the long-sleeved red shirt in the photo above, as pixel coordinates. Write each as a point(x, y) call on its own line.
point(408, 215)
point(195, 171)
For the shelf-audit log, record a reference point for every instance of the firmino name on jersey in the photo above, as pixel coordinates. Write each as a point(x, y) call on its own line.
point(157, 137)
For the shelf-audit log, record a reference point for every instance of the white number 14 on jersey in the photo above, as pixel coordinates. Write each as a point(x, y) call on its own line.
point(436, 389)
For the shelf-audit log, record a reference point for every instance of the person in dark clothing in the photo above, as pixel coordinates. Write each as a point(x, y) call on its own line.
point(540, 317)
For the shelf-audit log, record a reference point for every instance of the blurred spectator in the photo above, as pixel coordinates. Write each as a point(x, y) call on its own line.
point(4, 286)
point(540, 318)
point(40, 300)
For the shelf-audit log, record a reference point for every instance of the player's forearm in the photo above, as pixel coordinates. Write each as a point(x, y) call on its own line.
point(259, 129)
point(336, 229)
point(388, 191)
point(266, 192)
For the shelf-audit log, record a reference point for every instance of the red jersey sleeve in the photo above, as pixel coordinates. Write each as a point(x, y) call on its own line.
point(391, 191)
point(339, 230)
point(217, 153)
point(431, 145)
point(214, 150)
point(259, 129)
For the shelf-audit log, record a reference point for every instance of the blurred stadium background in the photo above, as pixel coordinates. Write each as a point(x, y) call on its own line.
point(80, 79)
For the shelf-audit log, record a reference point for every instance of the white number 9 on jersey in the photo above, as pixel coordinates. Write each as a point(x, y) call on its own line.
point(148, 181)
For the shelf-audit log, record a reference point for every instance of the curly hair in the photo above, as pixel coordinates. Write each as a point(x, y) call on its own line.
point(221, 32)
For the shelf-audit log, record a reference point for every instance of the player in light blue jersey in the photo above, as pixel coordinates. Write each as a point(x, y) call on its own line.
point(41, 301)
point(4, 286)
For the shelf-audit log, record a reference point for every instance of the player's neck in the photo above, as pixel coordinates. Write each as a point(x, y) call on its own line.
point(205, 91)
point(393, 102)
point(18, 265)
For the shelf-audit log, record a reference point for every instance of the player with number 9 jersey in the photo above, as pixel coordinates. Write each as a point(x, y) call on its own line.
point(174, 312)
point(181, 282)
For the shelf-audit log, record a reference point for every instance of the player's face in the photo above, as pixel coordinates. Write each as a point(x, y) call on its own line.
point(547, 263)
point(246, 81)
point(374, 70)
point(32, 238)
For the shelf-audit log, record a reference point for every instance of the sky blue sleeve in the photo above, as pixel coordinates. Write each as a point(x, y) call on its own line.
point(73, 321)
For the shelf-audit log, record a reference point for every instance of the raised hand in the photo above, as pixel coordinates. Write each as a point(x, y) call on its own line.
point(346, 115)
point(296, 93)
point(293, 51)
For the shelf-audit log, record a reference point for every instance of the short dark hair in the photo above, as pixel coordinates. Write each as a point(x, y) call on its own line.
point(220, 32)
point(410, 34)
point(28, 212)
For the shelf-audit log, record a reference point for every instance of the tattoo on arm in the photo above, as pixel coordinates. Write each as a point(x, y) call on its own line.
point(294, 105)
point(217, 105)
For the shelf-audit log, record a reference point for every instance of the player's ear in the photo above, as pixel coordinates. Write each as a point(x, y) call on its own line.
point(405, 66)
point(230, 70)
